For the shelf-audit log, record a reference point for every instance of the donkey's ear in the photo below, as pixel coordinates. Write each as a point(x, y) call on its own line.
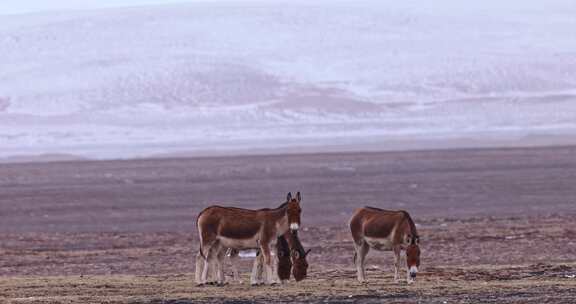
point(407, 239)
point(289, 196)
point(299, 196)
point(295, 254)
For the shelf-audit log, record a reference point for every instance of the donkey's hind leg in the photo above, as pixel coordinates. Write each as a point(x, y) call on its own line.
point(210, 252)
point(234, 257)
point(213, 270)
point(360, 258)
point(218, 272)
point(199, 267)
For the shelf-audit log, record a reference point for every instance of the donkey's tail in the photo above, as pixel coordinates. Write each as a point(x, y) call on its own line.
point(200, 232)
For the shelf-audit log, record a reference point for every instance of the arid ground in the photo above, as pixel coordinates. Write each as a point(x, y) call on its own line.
point(496, 225)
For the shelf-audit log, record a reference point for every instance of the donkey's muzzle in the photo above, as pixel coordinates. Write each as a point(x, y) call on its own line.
point(412, 272)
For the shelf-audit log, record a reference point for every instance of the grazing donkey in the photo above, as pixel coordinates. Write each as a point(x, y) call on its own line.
point(291, 259)
point(297, 256)
point(221, 228)
point(386, 231)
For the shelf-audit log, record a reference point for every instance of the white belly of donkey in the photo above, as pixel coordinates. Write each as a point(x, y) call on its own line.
point(383, 244)
point(251, 243)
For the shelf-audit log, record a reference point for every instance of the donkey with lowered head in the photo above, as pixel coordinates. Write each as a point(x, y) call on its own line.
point(291, 259)
point(385, 230)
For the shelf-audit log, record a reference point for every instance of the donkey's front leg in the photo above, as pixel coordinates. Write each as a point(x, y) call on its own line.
point(265, 250)
point(256, 276)
point(397, 261)
point(275, 277)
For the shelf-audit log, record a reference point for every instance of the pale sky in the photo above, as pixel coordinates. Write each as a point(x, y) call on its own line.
point(28, 6)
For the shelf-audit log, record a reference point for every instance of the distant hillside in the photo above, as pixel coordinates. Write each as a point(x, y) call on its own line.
point(130, 82)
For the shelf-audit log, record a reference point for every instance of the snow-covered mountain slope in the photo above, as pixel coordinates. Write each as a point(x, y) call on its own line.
point(127, 82)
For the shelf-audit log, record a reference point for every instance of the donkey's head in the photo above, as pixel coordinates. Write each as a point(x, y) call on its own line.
point(293, 210)
point(412, 256)
point(299, 264)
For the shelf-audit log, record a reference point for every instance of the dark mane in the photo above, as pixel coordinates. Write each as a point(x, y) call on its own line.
point(411, 223)
point(282, 205)
point(268, 209)
point(297, 244)
point(245, 209)
point(380, 210)
point(374, 208)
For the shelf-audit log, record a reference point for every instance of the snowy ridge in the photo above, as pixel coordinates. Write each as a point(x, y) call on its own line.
point(127, 82)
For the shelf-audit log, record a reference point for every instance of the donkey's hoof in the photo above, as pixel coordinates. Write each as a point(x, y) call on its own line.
point(200, 284)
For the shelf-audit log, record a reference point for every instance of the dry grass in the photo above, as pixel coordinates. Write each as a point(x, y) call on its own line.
point(521, 260)
point(538, 283)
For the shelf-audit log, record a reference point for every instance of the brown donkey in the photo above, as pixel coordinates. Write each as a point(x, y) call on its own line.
point(220, 228)
point(297, 255)
point(385, 230)
point(291, 259)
